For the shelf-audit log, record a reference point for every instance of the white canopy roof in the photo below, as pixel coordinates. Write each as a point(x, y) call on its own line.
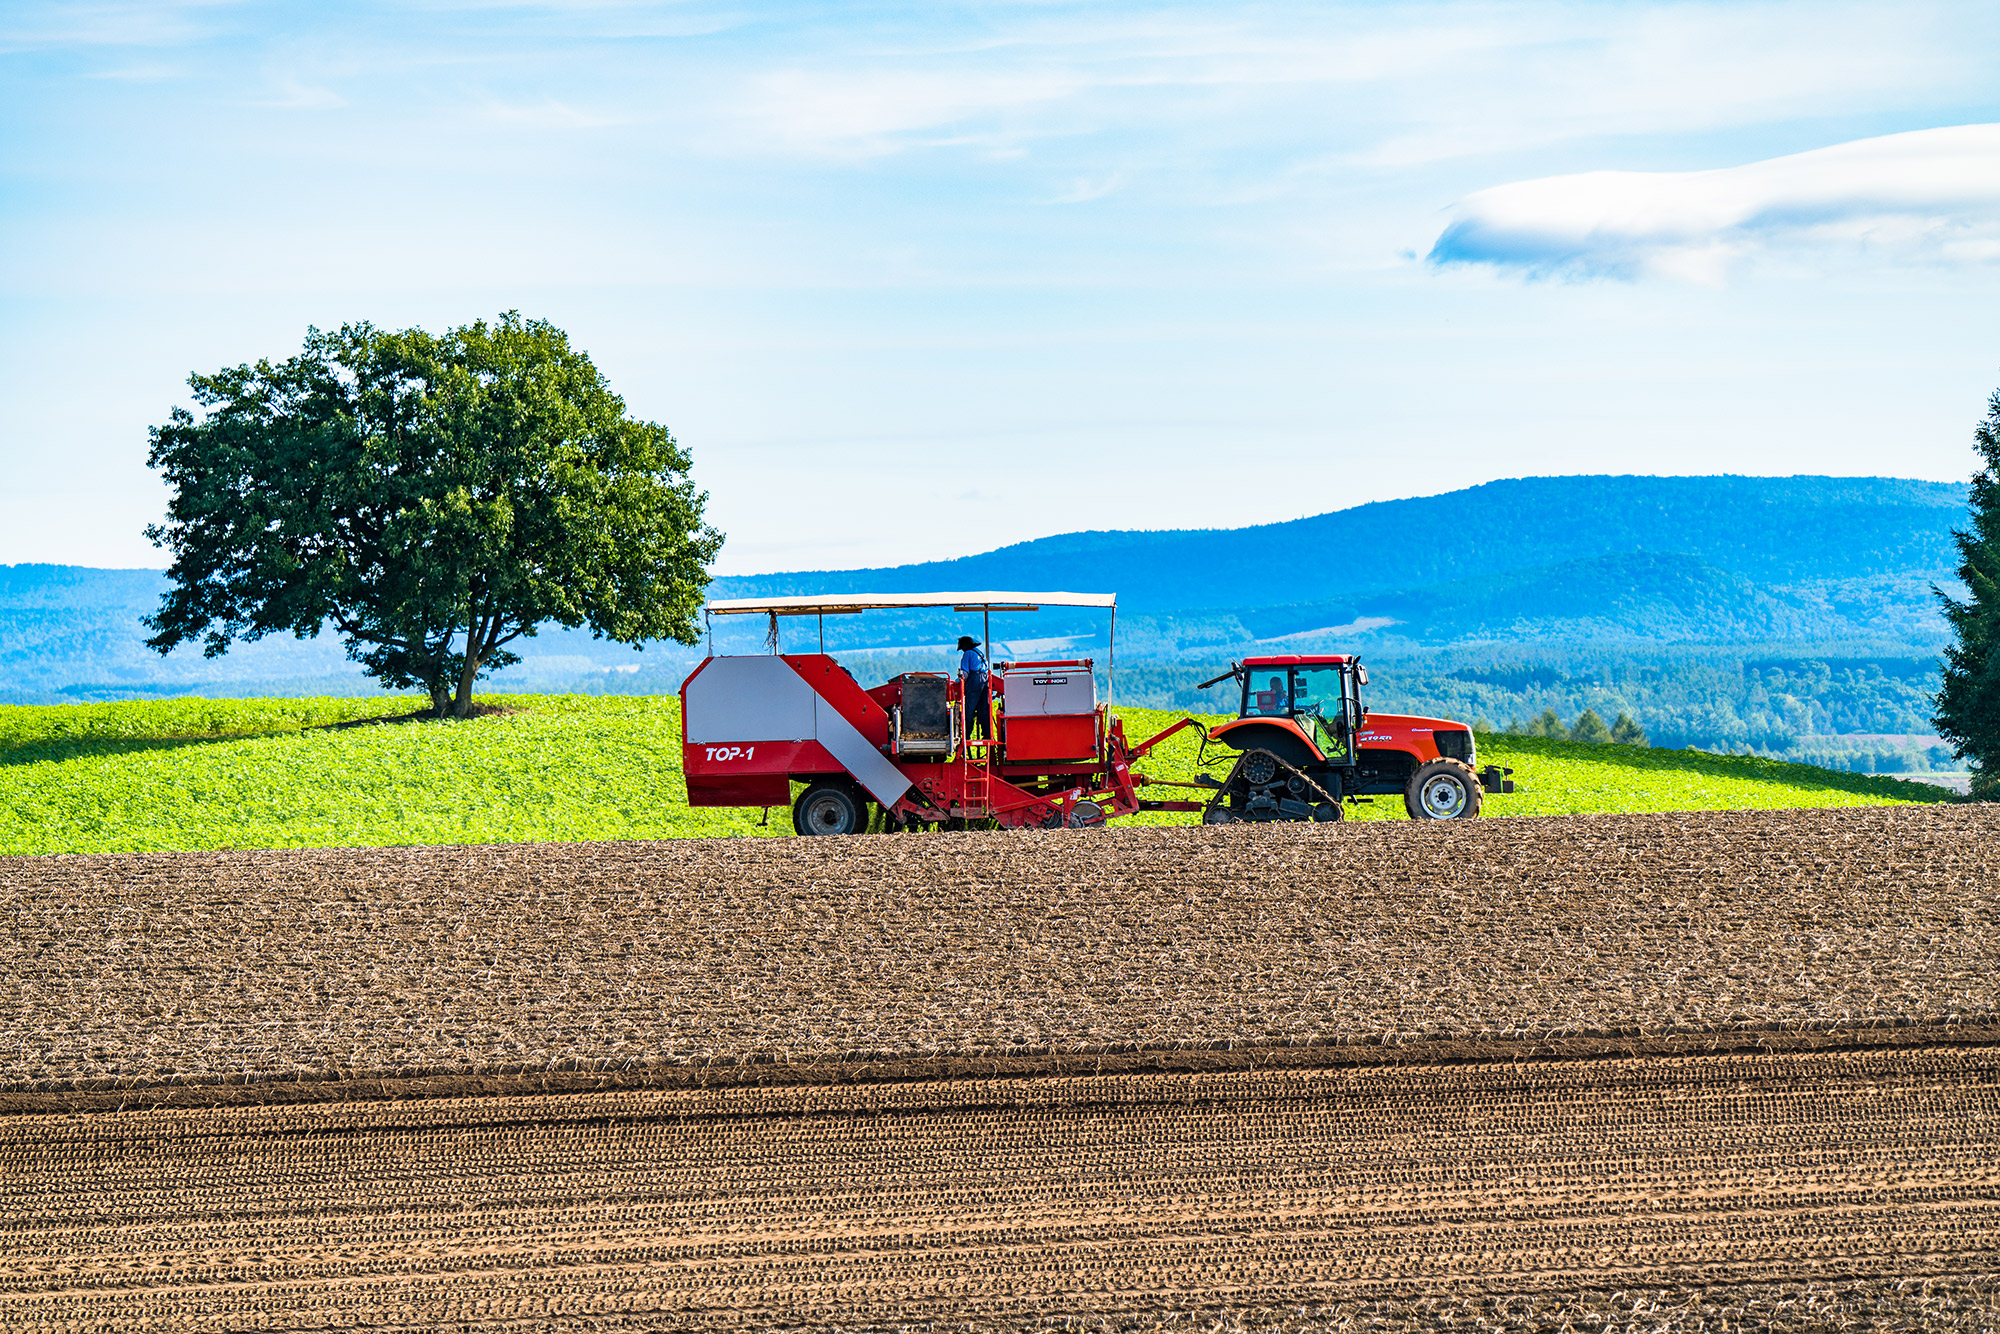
point(828, 604)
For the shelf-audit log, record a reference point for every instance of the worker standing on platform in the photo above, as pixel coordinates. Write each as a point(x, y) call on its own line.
point(972, 671)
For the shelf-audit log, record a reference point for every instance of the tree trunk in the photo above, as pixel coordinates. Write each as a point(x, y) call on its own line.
point(475, 650)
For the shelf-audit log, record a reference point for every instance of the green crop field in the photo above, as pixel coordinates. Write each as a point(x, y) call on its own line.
point(199, 774)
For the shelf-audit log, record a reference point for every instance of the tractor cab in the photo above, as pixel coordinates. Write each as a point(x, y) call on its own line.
point(1306, 708)
point(1321, 697)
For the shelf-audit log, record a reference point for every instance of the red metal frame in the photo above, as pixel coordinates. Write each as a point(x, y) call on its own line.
point(977, 782)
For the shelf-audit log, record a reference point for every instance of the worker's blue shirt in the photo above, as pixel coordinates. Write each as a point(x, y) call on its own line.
point(971, 665)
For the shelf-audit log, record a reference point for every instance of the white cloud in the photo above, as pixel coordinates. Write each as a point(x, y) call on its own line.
point(1926, 196)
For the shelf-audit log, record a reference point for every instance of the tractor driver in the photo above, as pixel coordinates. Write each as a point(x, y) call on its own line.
point(1271, 700)
point(972, 670)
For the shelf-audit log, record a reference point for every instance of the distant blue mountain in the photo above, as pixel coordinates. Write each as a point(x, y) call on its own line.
point(70, 632)
point(1774, 531)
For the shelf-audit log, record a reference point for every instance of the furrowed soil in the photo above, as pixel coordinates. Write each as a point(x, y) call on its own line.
point(1804, 1190)
point(1714, 1071)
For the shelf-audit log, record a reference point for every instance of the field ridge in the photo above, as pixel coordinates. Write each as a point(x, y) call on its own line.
point(77, 1096)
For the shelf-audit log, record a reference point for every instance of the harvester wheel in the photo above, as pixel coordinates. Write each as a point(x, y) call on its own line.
point(1086, 815)
point(828, 808)
point(1443, 790)
point(1217, 815)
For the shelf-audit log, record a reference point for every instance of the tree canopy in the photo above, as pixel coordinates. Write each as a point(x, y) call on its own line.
point(432, 497)
point(1626, 732)
point(1590, 729)
point(1968, 701)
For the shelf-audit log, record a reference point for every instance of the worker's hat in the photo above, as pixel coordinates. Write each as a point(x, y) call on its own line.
point(967, 641)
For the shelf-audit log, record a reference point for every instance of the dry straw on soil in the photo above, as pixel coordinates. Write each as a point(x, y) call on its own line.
point(705, 961)
point(1799, 1190)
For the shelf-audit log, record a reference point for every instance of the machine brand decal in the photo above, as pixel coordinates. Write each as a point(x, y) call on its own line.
point(717, 754)
point(1049, 681)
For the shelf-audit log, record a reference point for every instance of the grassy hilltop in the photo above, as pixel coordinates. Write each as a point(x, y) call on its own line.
point(181, 775)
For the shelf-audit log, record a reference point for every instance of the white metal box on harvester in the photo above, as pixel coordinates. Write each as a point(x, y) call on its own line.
point(1049, 711)
point(1041, 691)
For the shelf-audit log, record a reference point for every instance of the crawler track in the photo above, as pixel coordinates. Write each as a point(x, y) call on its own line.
point(1823, 1184)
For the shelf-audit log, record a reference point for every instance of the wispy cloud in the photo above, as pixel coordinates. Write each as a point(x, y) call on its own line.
point(1084, 190)
point(148, 73)
point(47, 25)
point(295, 94)
point(548, 114)
point(842, 115)
point(1929, 195)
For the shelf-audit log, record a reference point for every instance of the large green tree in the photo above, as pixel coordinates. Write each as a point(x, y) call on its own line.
point(1968, 703)
point(433, 498)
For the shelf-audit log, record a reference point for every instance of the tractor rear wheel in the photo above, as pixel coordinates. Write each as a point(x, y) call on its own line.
point(1443, 790)
point(828, 808)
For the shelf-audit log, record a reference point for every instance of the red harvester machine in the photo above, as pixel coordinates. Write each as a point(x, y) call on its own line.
point(901, 756)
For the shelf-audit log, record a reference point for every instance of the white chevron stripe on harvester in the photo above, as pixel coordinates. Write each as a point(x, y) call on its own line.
point(856, 753)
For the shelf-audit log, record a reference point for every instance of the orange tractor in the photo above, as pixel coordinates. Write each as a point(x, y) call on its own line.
point(1305, 745)
point(797, 729)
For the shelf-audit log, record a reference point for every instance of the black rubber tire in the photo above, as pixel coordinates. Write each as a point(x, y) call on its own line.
point(1329, 812)
point(829, 808)
point(1428, 795)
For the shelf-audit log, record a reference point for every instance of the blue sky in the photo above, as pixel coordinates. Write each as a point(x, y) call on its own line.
point(923, 280)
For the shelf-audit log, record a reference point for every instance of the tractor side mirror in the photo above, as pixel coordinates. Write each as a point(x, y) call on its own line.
point(1234, 673)
point(1360, 674)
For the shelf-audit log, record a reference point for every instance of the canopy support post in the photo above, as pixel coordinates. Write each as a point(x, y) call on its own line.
point(1111, 660)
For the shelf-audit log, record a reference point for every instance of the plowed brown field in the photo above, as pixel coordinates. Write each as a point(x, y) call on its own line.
point(587, 965)
point(1307, 1077)
point(1798, 1188)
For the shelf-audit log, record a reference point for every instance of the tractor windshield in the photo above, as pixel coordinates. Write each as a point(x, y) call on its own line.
point(1266, 694)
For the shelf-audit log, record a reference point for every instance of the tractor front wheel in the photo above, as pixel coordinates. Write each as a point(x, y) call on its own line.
point(828, 808)
point(1443, 790)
